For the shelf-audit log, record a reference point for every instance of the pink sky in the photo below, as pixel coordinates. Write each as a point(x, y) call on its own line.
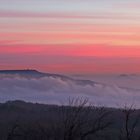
point(70, 37)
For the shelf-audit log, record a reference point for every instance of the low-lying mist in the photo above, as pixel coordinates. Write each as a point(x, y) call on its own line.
point(56, 90)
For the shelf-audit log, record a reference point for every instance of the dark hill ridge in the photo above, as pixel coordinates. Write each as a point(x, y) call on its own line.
point(28, 106)
point(24, 72)
point(18, 71)
point(20, 106)
point(21, 120)
point(21, 72)
point(30, 73)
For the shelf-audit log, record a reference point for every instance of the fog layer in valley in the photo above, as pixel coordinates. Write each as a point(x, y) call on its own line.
point(113, 91)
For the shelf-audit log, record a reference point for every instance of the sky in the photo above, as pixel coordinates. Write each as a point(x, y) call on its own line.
point(70, 36)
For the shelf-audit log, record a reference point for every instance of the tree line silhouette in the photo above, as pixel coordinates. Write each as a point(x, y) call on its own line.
point(79, 120)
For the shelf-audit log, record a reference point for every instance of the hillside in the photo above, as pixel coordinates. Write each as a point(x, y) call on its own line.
point(20, 120)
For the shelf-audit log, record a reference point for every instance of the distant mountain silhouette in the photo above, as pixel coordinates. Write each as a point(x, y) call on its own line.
point(29, 73)
point(127, 75)
point(21, 72)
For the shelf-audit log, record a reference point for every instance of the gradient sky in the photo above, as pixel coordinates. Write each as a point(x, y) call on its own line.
point(70, 36)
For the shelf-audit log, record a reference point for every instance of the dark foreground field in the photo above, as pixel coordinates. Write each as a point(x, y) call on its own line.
point(77, 121)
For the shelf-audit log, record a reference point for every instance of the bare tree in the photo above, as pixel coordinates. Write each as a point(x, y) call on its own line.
point(98, 124)
point(80, 119)
point(131, 121)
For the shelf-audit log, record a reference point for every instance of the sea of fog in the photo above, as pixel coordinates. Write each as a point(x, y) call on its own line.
point(105, 90)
